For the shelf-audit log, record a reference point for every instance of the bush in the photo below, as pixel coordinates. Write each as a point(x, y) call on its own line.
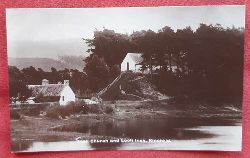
point(14, 115)
point(35, 111)
point(58, 111)
point(94, 108)
point(66, 110)
point(98, 109)
point(53, 112)
point(181, 99)
point(109, 110)
point(31, 109)
point(78, 106)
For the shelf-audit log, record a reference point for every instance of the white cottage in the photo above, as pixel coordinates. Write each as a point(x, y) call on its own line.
point(46, 92)
point(132, 62)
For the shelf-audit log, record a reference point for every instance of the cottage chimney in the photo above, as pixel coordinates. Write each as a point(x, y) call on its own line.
point(45, 82)
point(66, 82)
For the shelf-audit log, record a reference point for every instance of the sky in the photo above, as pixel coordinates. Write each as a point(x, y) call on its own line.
point(48, 33)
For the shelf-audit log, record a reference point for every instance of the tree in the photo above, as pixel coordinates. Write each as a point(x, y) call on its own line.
point(17, 86)
point(78, 81)
point(97, 71)
point(185, 43)
point(31, 75)
point(168, 46)
point(111, 46)
point(209, 60)
point(115, 71)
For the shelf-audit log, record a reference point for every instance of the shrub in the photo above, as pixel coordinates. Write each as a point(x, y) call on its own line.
point(78, 106)
point(14, 115)
point(94, 108)
point(66, 110)
point(58, 111)
point(53, 112)
point(109, 110)
point(31, 109)
point(35, 111)
point(98, 109)
point(181, 99)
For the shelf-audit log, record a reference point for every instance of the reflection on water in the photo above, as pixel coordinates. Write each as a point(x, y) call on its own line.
point(185, 134)
point(170, 128)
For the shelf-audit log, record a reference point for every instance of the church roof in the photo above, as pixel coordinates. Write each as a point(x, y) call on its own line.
point(136, 57)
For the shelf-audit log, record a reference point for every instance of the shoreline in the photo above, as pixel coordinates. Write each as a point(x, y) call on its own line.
point(43, 129)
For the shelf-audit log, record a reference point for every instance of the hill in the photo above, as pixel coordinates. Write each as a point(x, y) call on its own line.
point(69, 62)
point(131, 86)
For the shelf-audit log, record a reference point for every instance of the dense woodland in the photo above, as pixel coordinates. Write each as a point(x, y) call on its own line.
point(209, 62)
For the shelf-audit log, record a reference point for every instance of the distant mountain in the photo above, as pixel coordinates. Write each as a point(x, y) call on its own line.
point(69, 62)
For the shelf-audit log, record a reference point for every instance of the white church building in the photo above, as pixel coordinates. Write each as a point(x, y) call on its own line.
point(132, 62)
point(46, 92)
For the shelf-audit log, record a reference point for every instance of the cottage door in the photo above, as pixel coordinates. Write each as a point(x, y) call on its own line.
point(127, 66)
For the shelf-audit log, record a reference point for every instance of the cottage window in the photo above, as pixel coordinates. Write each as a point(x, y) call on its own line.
point(62, 98)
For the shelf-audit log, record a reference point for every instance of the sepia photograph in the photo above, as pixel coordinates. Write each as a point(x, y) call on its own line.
point(126, 78)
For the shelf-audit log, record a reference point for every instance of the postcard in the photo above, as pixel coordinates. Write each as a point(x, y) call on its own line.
point(127, 78)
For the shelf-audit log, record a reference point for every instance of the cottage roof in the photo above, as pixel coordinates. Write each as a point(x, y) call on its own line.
point(136, 57)
point(46, 90)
